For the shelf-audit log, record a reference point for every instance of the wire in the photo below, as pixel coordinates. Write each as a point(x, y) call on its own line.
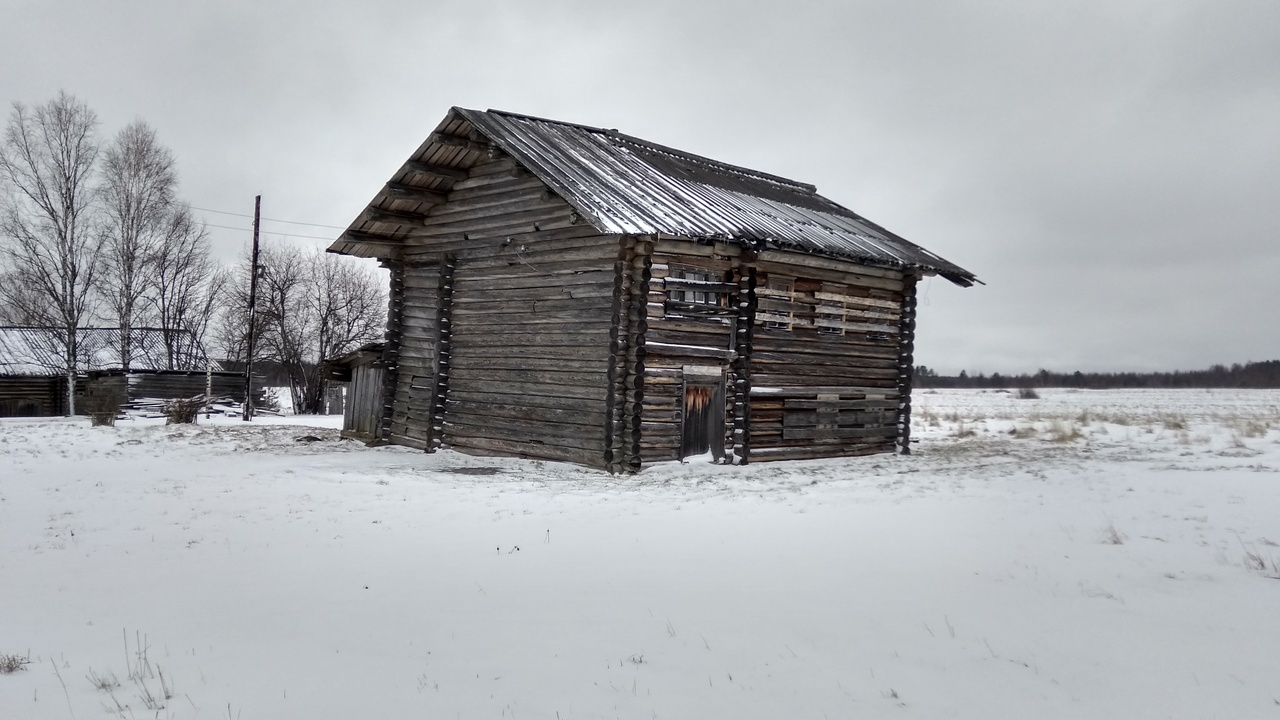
point(271, 232)
point(288, 222)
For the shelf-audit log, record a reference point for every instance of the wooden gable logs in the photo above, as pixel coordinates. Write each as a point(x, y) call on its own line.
point(530, 316)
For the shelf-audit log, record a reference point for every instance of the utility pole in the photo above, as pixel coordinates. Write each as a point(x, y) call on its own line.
point(253, 313)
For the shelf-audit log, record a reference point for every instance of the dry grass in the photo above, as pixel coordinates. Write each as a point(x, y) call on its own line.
point(13, 663)
point(1023, 432)
point(1064, 431)
point(1112, 536)
point(183, 412)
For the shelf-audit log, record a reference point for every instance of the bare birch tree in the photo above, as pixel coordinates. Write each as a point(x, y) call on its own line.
point(138, 183)
point(311, 306)
point(48, 241)
point(184, 287)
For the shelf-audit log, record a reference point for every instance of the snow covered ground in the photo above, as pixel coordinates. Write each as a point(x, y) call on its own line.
point(1091, 554)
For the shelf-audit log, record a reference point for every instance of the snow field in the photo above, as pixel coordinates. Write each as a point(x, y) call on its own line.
point(1087, 554)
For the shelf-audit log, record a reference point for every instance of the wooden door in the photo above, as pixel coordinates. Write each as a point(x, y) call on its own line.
point(702, 422)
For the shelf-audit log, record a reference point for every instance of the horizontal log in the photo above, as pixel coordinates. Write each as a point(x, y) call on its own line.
point(768, 379)
point(553, 402)
point(492, 185)
point(818, 343)
point(438, 171)
point(403, 191)
point(465, 284)
point(407, 441)
point(455, 432)
point(458, 142)
point(574, 292)
point(516, 390)
point(846, 392)
point(487, 446)
point(511, 255)
point(794, 259)
point(846, 418)
point(687, 351)
point(804, 404)
point(589, 340)
point(814, 452)
point(518, 361)
point(459, 370)
point(839, 374)
point(820, 274)
point(874, 359)
point(526, 430)
point(575, 416)
point(687, 251)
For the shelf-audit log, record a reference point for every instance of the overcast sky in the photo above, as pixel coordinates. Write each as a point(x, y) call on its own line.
point(1111, 170)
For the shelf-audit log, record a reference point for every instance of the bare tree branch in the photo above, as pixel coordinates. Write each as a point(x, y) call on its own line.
point(138, 182)
point(48, 241)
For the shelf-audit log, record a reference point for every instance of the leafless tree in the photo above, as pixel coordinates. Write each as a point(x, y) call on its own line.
point(48, 241)
point(138, 183)
point(184, 287)
point(311, 306)
point(349, 308)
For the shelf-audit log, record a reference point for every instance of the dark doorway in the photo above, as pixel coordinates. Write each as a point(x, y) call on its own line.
point(702, 427)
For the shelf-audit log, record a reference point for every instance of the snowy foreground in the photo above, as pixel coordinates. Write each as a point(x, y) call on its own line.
point(1085, 555)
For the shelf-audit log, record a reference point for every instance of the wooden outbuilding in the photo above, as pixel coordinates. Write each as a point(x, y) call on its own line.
point(360, 372)
point(573, 293)
point(33, 374)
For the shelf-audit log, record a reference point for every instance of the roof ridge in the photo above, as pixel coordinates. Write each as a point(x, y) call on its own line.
point(665, 149)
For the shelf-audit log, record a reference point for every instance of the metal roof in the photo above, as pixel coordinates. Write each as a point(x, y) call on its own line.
point(626, 185)
point(39, 351)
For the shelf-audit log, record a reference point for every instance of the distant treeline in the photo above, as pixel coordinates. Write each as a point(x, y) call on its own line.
point(1250, 375)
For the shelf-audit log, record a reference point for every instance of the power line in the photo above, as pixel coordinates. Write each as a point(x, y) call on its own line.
point(288, 222)
point(272, 232)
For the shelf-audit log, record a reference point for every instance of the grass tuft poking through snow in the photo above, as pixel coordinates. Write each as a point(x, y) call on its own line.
point(13, 663)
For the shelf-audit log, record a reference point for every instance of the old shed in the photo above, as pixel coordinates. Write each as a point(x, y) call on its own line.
point(573, 293)
point(33, 370)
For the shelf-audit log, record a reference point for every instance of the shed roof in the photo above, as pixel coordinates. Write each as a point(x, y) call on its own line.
point(625, 185)
point(39, 351)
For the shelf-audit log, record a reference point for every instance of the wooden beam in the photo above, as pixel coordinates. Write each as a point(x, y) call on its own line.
point(400, 190)
point(460, 142)
point(378, 242)
point(394, 216)
point(440, 171)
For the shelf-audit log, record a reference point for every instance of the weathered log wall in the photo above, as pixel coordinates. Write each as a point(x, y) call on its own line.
point(513, 337)
point(692, 320)
point(24, 396)
point(825, 375)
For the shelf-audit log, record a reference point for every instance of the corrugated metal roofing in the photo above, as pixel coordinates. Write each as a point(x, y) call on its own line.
point(38, 351)
point(626, 185)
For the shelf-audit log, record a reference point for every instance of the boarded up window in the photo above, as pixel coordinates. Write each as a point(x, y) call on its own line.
point(776, 303)
point(696, 292)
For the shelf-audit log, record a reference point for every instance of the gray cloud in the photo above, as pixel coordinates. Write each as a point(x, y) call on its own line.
point(1110, 170)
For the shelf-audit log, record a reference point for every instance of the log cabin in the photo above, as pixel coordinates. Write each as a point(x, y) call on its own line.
point(574, 293)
